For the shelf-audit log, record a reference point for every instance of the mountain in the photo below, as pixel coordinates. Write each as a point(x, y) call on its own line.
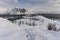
point(17, 11)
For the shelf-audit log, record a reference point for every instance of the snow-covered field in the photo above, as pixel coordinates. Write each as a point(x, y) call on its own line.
point(29, 28)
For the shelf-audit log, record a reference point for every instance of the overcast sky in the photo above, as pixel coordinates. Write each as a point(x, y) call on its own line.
point(25, 3)
point(49, 5)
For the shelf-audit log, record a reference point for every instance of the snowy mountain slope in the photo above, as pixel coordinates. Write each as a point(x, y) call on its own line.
point(29, 28)
point(34, 21)
point(10, 31)
point(39, 27)
point(6, 27)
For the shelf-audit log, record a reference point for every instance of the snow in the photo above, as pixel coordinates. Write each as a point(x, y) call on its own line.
point(21, 30)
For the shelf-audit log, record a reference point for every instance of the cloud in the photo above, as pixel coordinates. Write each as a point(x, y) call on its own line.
point(42, 1)
point(41, 5)
point(8, 3)
point(3, 10)
point(51, 6)
point(25, 3)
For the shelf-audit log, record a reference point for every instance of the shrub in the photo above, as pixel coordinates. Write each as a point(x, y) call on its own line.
point(49, 26)
point(52, 27)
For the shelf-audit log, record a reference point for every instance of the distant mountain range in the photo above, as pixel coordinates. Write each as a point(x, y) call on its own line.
point(26, 11)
